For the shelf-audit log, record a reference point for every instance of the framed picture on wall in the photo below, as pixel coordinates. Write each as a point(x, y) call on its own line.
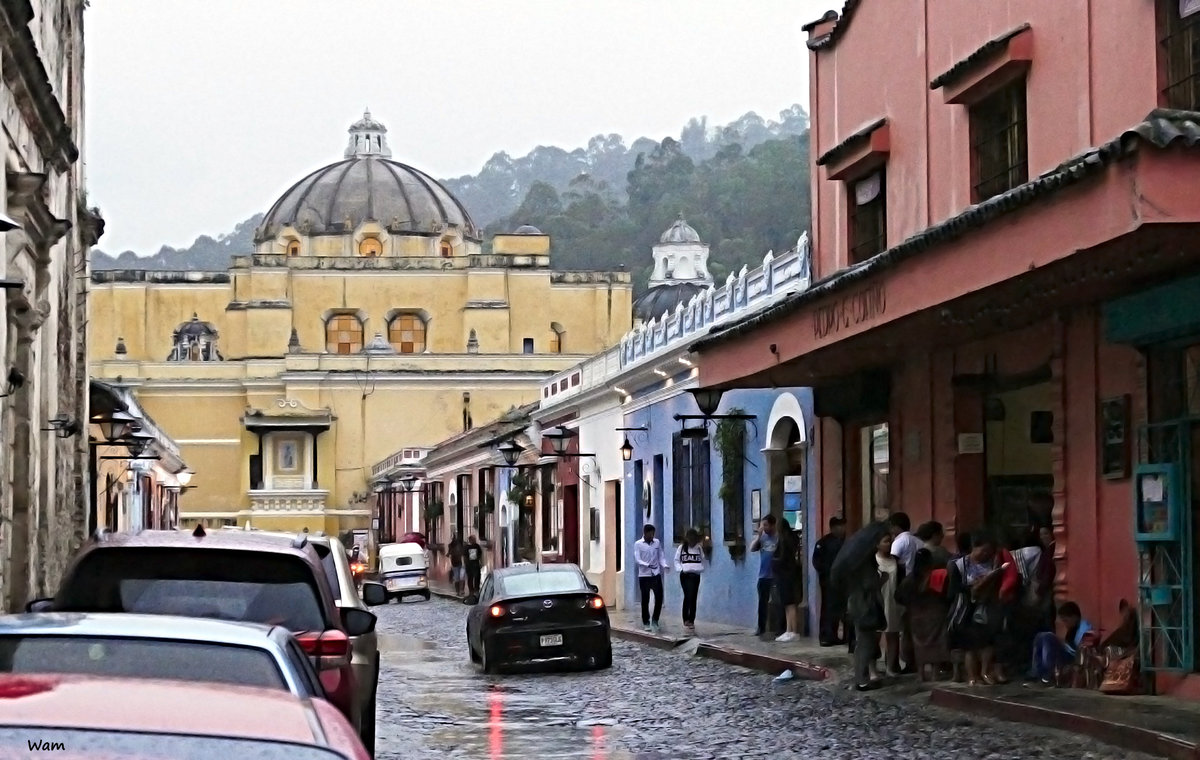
point(1114, 437)
point(287, 455)
point(756, 505)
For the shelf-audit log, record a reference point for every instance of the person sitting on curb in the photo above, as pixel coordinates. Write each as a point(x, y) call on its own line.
point(1051, 652)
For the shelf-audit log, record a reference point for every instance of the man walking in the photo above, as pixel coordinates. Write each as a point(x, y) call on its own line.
point(765, 543)
point(474, 557)
point(833, 608)
point(651, 564)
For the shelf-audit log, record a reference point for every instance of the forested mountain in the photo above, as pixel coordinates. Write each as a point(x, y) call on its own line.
point(743, 186)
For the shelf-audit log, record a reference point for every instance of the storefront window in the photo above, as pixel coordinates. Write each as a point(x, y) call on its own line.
point(876, 462)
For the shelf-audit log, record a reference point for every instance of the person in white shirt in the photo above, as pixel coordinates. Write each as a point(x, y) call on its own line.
point(651, 563)
point(904, 549)
point(690, 564)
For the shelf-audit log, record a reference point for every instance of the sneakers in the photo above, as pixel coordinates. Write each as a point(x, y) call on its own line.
point(689, 628)
point(646, 627)
point(787, 637)
point(868, 686)
point(654, 628)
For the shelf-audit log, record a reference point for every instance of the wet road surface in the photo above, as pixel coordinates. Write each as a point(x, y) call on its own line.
point(655, 705)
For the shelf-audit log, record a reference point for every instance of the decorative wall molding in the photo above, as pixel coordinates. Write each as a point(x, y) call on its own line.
point(287, 501)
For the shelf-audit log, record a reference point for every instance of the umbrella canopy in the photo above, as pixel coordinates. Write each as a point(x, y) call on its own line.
point(856, 552)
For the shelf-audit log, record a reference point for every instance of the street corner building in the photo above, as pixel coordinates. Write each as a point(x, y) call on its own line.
point(1003, 329)
point(368, 322)
point(47, 230)
point(618, 440)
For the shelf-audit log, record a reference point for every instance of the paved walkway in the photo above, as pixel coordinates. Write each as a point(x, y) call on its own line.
point(1156, 725)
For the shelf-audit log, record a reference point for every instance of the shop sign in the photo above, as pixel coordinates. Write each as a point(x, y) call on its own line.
point(850, 311)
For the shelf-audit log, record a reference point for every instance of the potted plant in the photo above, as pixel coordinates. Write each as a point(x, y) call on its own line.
point(730, 442)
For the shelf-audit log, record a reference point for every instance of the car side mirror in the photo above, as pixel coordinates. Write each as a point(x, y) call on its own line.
point(40, 605)
point(594, 588)
point(374, 594)
point(358, 622)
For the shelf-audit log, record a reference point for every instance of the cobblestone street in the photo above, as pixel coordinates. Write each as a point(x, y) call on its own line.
point(655, 705)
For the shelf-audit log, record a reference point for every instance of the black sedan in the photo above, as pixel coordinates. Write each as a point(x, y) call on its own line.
point(528, 613)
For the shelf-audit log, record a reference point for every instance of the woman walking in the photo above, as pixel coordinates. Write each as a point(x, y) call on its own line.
point(690, 564)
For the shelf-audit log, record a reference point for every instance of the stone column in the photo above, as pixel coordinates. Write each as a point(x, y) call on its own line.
point(26, 320)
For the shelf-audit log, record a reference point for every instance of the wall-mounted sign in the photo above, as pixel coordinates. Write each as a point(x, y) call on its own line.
point(970, 443)
point(1114, 437)
point(793, 483)
point(849, 311)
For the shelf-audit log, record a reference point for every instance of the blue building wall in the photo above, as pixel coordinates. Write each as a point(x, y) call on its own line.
point(727, 592)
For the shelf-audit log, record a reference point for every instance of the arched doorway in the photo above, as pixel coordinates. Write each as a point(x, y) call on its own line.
point(786, 457)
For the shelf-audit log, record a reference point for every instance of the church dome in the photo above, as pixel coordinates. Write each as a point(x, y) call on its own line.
point(664, 298)
point(680, 232)
point(527, 229)
point(366, 185)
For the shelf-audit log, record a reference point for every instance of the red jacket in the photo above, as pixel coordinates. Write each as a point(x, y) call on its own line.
point(1010, 578)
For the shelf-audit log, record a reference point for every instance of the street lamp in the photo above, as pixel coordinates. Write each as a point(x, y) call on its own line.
point(560, 439)
point(184, 477)
point(139, 442)
point(627, 450)
point(511, 452)
point(708, 399)
point(115, 426)
point(409, 483)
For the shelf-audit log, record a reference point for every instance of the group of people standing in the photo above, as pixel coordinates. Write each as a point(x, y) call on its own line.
point(987, 608)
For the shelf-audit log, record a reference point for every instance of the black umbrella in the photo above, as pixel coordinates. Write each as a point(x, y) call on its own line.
point(859, 548)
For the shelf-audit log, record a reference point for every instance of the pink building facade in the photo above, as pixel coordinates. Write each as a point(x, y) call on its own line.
point(1004, 325)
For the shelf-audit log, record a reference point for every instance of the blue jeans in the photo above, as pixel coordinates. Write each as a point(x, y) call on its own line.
point(1049, 652)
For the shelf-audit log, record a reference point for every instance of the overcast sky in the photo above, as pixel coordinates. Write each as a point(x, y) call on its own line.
point(202, 112)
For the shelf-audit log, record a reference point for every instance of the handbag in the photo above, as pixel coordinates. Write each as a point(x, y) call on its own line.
point(1120, 672)
point(876, 617)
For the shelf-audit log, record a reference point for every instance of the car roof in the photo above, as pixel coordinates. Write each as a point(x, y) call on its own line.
point(154, 706)
point(404, 547)
point(247, 540)
point(129, 625)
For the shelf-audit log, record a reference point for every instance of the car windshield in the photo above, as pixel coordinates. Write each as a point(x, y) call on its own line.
point(140, 658)
point(83, 744)
point(247, 586)
point(532, 584)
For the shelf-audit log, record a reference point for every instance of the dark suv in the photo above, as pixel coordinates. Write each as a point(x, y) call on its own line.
point(228, 576)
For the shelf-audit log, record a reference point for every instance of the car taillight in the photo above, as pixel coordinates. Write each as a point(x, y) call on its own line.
point(596, 603)
point(497, 611)
point(358, 567)
point(329, 649)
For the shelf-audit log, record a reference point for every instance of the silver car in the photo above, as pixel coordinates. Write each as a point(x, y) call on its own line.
point(365, 655)
point(156, 646)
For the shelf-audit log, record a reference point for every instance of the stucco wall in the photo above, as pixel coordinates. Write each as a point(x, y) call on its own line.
point(727, 593)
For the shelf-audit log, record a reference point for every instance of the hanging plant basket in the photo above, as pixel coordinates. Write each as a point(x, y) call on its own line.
point(522, 487)
point(434, 510)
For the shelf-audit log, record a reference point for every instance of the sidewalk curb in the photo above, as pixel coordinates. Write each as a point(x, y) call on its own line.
point(645, 637)
point(1117, 734)
point(754, 661)
point(764, 662)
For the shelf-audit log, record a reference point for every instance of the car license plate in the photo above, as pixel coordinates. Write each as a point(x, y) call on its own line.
point(552, 641)
point(393, 584)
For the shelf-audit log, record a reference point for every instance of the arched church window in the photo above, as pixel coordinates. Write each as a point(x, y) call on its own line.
point(557, 333)
point(195, 341)
point(446, 249)
point(343, 334)
point(370, 247)
point(406, 333)
point(293, 248)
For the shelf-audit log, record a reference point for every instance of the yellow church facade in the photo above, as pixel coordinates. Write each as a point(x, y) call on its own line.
point(366, 320)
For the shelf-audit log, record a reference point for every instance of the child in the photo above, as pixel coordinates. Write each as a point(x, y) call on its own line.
point(1049, 651)
point(690, 563)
